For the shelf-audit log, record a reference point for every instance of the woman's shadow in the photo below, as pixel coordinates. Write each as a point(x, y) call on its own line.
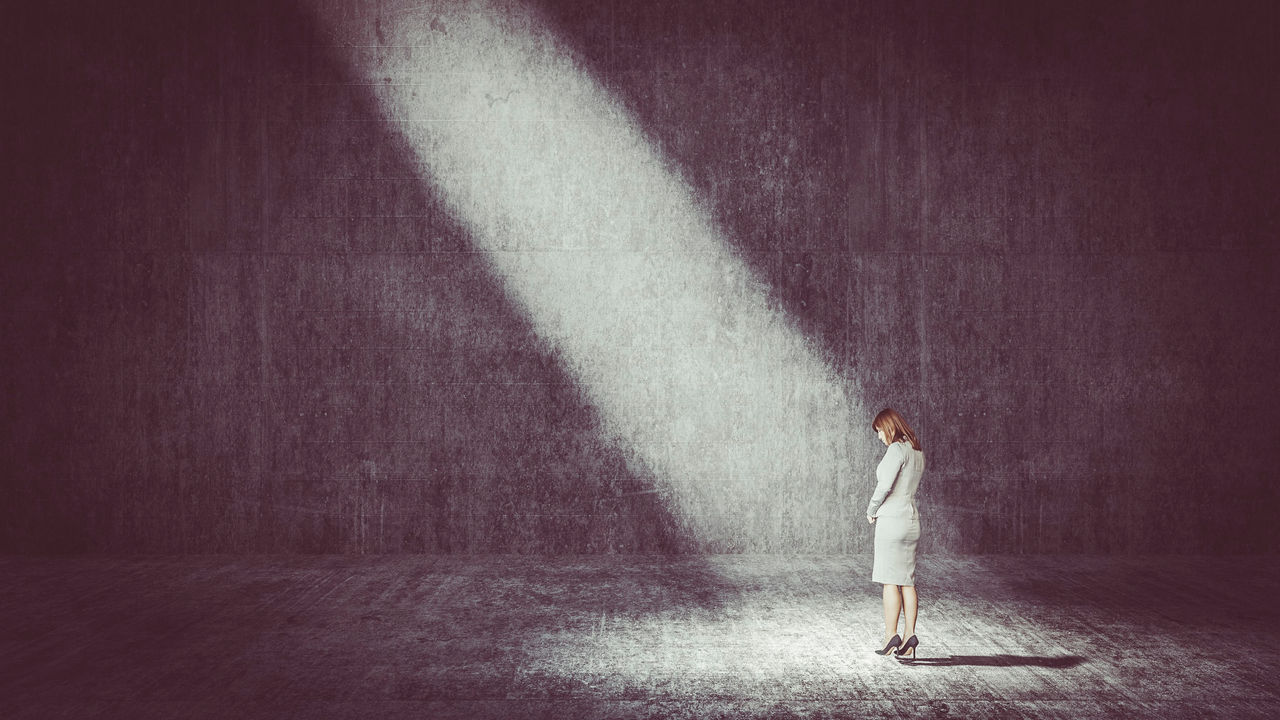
point(1061, 661)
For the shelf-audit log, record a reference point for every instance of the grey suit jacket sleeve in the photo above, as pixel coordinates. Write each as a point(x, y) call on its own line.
point(886, 474)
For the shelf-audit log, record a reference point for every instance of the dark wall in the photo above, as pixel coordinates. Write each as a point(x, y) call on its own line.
point(236, 320)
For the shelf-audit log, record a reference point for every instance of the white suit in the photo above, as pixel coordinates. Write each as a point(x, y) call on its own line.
point(893, 505)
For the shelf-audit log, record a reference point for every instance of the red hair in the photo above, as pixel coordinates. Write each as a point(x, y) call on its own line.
point(894, 427)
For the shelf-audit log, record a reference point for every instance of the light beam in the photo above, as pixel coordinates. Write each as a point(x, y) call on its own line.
point(668, 332)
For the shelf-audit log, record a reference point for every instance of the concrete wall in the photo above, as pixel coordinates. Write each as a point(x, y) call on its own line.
point(236, 320)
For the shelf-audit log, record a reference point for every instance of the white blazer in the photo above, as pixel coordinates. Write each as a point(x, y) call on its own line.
point(897, 477)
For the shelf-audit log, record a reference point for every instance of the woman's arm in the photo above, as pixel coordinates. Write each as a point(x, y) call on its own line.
point(886, 474)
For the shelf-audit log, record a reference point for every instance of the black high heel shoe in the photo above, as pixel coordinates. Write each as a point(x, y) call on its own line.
point(908, 647)
point(894, 642)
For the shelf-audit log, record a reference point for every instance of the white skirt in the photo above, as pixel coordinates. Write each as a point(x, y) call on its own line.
point(895, 549)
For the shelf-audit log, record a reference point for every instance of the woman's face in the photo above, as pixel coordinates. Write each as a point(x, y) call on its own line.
point(883, 438)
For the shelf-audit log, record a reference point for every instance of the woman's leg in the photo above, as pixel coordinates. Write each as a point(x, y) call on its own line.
point(892, 607)
point(910, 607)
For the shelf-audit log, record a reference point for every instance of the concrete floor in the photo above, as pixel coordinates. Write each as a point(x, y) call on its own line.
point(733, 636)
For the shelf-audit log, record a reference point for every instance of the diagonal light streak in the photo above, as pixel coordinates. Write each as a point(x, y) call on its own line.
point(606, 249)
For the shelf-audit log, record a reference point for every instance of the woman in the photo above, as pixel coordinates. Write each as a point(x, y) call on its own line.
point(893, 511)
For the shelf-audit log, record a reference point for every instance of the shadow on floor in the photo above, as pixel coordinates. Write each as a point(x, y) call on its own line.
point(1062, 661)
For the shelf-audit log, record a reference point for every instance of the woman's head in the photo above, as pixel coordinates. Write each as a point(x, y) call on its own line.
point(889, 422)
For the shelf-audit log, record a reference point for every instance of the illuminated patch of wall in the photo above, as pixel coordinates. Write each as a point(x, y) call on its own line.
point(734, 411)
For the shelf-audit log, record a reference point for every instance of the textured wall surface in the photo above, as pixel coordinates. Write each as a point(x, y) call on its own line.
point(238, 319)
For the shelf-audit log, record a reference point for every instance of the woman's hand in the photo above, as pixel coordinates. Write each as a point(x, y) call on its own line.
point(871, 520)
